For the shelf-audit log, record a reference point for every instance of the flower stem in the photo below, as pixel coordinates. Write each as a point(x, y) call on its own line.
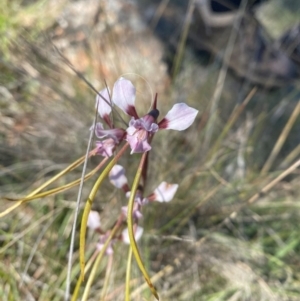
point(130, 225)
point(98, 260)
point(89, 203)
point(35, 194)
point(107, 277)
point(128, 272)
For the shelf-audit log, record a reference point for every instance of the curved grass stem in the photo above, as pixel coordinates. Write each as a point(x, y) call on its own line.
point(128, 272)
point(36, 195)
point(54, 190)
point(89, 203)
point(130, 226)
point(86, 269)
point(97, 262)
point(107, 276)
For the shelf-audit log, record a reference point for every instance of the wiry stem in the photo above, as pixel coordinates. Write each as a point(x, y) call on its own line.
point(107, 276)
point(89, 203)
point(68, 281)
point(54, 190)
point(35, 194)
point(128, 272)
point(98, 260)
point(222, 75)
point(130, 225)
point(282, 138)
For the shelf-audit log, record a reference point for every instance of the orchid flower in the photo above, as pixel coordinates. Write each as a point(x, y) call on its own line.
point(163, 193)
point(179, 118)
point(94, 224)
point(112, 136)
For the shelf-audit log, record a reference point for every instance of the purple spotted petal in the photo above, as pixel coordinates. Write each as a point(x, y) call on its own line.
point(103, 106)
point(124, 96)
point(179, 118)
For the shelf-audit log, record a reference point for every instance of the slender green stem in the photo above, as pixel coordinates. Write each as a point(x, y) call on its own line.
point(98, 260)
point(128, 272)
point(63, 172)
point(36, 195)
point(231, 121)
point(130, 225)
point(60, 188)
point(86, 269)
point(107, 276)
point(89, 203)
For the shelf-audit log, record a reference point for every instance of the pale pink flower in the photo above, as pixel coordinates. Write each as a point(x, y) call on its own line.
point(113, 136)
point(139, 130)
point(103, 104)
point(106, 147)
point(179, 118)
point(163, 193)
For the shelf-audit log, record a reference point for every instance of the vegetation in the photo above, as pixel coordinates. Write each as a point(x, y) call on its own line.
point(232, 230)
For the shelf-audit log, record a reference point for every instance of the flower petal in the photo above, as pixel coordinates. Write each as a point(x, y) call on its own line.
point(124, 96)
point(94, 220)
point(106, 147)
point(103, 106)
point(116, 134)
point(117, 176)
point(137, 234)
point(179, 118)
point(146, 123)
point(164, 192)
point(138, 143)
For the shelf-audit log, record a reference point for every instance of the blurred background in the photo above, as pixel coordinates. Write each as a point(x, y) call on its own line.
point(237, 62)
